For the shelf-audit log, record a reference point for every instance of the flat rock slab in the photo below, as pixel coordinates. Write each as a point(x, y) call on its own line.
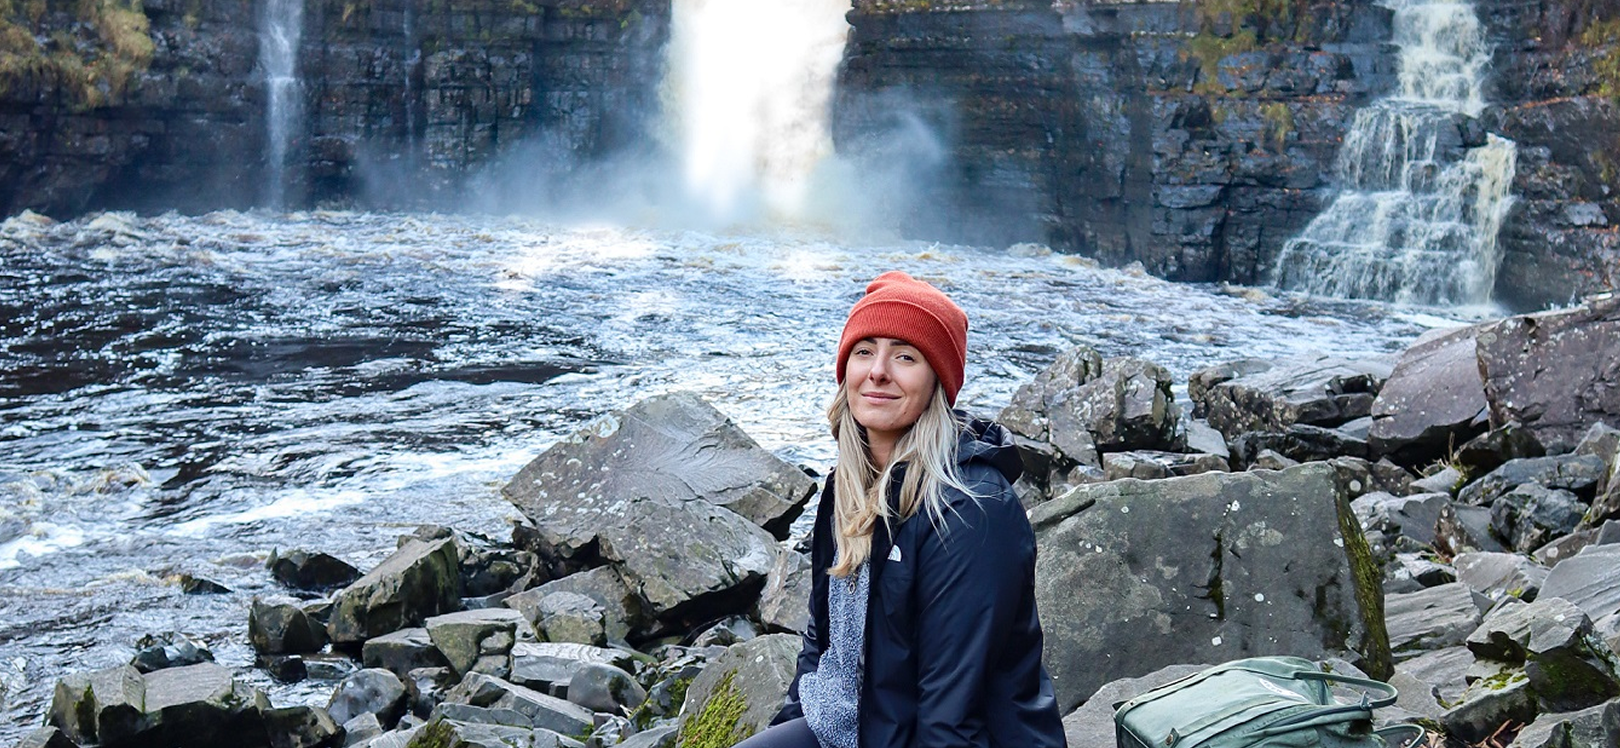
point(1133, 575)
point(1319, 391)
point(1442, 670)
point(1498, 575)
point(674, 448)
point(1431, 619)
point(1589, 579)
point(1431, 397)
point(1557, 373)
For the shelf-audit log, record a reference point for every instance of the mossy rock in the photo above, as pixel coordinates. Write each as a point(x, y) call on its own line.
point(738, 694)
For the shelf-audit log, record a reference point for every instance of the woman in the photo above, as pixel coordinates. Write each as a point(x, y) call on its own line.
point(923, 629)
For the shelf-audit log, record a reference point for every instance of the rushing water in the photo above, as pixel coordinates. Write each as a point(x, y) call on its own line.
point(1416, 222)
point(281, 25)
point(183, 395)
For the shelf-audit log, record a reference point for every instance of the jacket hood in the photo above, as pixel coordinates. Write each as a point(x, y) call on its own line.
point(990, 443)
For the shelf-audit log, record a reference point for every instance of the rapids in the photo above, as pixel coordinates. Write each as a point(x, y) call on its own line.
point(181, 395)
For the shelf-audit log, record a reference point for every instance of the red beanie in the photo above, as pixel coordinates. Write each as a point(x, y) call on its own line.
point(899, 306)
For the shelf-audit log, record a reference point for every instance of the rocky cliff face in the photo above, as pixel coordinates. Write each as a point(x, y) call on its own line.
point(160, 104)
point(1198, 137)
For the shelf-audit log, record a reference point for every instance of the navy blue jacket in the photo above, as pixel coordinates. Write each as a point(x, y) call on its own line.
point(953, 643)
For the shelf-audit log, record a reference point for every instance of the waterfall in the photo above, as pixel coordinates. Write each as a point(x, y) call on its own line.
point(747, 95)
point(1422, 198)
point(280, 25)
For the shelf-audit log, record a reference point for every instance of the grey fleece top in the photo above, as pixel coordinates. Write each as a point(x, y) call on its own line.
point(831, 694)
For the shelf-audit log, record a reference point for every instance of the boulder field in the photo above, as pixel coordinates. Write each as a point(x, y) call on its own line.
point(1444, 519)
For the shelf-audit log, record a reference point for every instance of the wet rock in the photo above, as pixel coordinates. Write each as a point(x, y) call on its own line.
point(1530, 516)
point(621, 613)
point(605, 688)
point(1152, 464)
point(1590, 580)
point(158, 651)
point(1127, 406)
point(1494, 448)
point(1435, 618)
point(1577, 474)
point(200, 705)
point(549, 667)
point(1593, 727)
point(46, 737)
point(751, 677)
point(1461, 529)
point(301, 727)
point(1575, 358)
point(302, 570)
point(370, 691)
point(544, 712)
point(677, 448)
point(1321, 391)
point(99, 706)
point(782, 606)
point(1499, 575)
point(278, 627)
point(1204, 557)
point(1488, 704)
point(1200, 382)
point(419, 580)
point(1441, 670)
point(402, 651)
point(1093, 723)
point(1431, 400)
point(477, 641)
point(1567, 666)
point(284, 668)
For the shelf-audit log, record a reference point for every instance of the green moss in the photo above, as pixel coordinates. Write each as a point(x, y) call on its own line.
point(1369, 591)
point(435, 734)
point(1502, 679)
point(91, 63)
point(716, 725)
point(1605, 36)
point(1232, 27)
point(1279, 124)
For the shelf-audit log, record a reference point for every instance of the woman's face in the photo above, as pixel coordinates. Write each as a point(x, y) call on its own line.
point(889, 384)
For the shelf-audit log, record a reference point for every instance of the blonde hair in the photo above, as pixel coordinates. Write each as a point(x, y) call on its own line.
point(928, 447)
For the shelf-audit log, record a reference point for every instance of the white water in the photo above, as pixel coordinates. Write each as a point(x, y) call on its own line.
point(748, 92)
point(280, 27)
point(1415, 223)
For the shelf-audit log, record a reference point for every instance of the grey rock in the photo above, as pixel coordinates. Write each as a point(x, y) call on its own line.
point(1128, 406)
point(656, 737)
point(1590, 580)
point(426, 688)
point(621, 611)
point(605, 688)
point(1269, 460)
point(1431, 398)
point(1412, 517)
point(1494, 448)
point(1431, 619)
point(284, 668)
point(726, 632)
point(281, 627)
point(1412, 572)
point(1319, 391)
point(1530, 516)
point(757, 671)
point(196, 705)
point(544, 712)
point(1569, 668)
point(360, 728)
point(676, 448)
point(478, 715)
point(99, 706)
point(1577, 474)
point(1360, 476)
point(419, 580)
point(1298, 442)
point(1446, 480)
point(1204, 439)
point(1093, 723)
point(1498, 575)
point(46, 737)
point(1200, 382)
point(301, 727)
point(1573, 355)
point(1442, 671)
point(1593, 727)
point(1608, 533)
point(571, 617)
point(1153, 464)
point(1415, 696)
point(1566, 546)
point(477, 641)
point(544, 666)
point(170, 649)
point(1204, 568)
point(782, 606)
point(1488, 704)
point(402, 651)
point(1461, 529)
point(303, 570)
point(369, 691)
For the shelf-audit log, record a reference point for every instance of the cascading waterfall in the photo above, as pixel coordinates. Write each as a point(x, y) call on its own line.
point(280, 26)
point(748, 94)
point(1421, 207)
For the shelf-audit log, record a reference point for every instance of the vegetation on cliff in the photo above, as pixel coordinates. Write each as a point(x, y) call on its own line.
point(88, 51)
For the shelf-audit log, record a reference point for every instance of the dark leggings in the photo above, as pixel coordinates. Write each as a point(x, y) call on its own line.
point(793, 733)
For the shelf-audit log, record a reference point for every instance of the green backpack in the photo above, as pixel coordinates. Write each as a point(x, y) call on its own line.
point(1275, 702)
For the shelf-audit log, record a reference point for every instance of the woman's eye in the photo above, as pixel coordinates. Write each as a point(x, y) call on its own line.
point(908, 358)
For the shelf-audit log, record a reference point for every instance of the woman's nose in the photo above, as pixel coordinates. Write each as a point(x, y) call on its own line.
point(879, 371)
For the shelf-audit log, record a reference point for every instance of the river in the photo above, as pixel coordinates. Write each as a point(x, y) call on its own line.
point(181, 395)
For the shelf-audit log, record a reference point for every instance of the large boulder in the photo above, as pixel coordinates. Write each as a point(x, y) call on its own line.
point(419, 580)
point(674, 448)
point(1136, 575)
point(1317, 391)
point(739, 693)
point(1432, 399)
point(195, 705)
point(1557, 373)
point(541, 711)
